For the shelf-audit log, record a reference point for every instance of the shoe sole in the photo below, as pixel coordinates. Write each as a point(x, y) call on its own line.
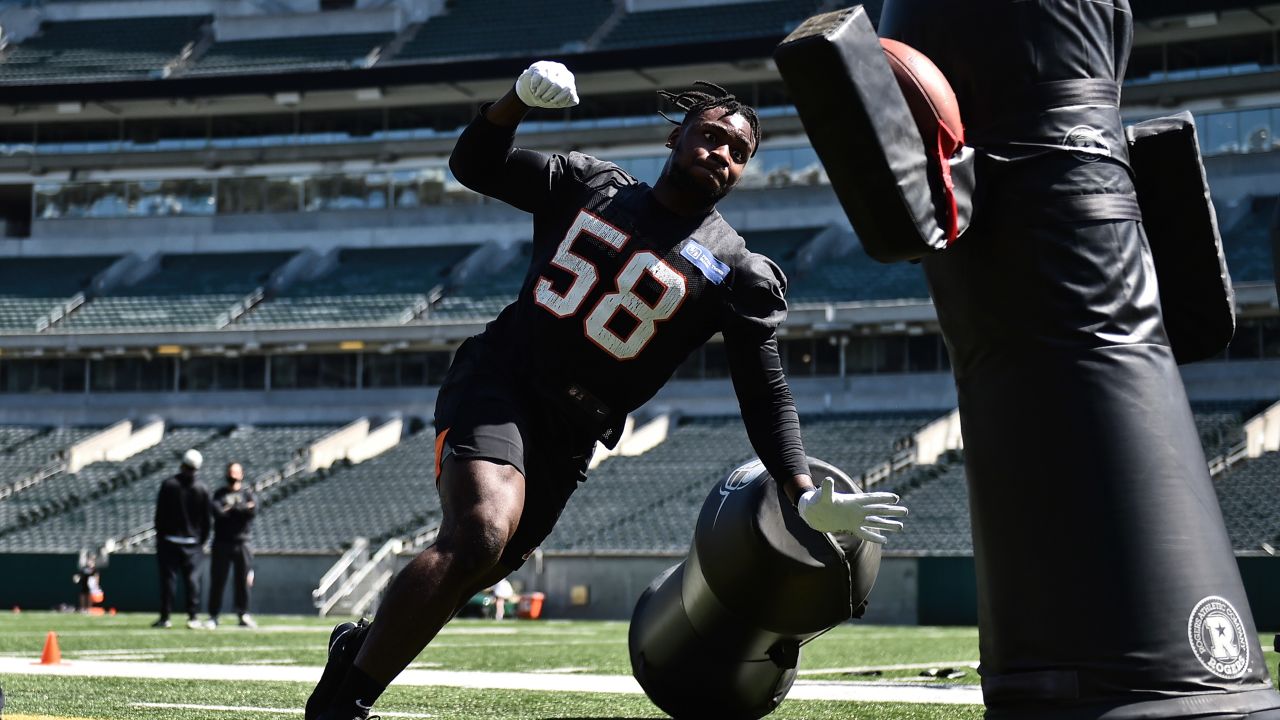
point(342, 653)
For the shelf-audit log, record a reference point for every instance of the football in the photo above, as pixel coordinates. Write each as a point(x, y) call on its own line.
point(928, 94)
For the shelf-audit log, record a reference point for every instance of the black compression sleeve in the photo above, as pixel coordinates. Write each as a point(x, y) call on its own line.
point(486, 161)
point(768, 410)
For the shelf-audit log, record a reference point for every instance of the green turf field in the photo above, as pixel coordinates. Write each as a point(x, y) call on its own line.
point(585, 648)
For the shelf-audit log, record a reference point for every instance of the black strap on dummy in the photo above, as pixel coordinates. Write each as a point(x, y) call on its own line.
point(863, 131)
point(1196, 297)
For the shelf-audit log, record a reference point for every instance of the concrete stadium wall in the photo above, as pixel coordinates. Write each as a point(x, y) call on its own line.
point(614, 584)
point(131, 583)
point(909, 591)
point(1257, 379)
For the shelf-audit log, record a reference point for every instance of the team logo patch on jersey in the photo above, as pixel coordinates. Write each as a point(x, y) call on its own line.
point(1218, 638)
point(712, 268)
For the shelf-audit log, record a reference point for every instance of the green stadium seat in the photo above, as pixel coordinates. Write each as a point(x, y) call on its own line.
point(98, 50)
point(506, 27)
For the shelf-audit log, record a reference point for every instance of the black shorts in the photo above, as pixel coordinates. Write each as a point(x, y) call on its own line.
point(482, 413)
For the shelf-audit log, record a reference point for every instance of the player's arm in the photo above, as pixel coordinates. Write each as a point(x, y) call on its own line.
point(485, 158)
point(249, 508)
point(218, 506)
point(757, 307)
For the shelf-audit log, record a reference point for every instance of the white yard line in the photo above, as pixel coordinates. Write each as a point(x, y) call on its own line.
point(874, 668)
point(251, 709)
point(616, 684)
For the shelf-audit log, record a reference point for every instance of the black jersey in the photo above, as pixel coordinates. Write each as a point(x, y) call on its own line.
point(621, 290)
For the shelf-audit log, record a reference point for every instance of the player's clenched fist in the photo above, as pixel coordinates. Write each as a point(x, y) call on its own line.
point(547, 84)
point(865, 515)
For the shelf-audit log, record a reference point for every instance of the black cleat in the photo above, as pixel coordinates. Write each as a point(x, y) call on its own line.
point(344, 645)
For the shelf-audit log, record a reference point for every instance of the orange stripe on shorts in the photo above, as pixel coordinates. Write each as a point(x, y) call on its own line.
point(440, 451)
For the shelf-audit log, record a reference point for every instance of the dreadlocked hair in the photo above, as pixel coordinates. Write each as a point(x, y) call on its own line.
point(694, 102)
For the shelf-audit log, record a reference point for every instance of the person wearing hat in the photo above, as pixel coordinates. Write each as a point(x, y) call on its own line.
point(182, 527)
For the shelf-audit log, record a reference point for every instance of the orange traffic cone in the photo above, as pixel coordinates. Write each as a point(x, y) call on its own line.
point(52, 654)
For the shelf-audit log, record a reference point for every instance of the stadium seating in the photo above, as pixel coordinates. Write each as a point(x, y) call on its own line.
point(938, 500)
point(188, 291)
point(680, 26)
point(1247, 242)
point(1250, 498)
point(390, 494)
point(328, 52)
point(68, 490)
point(650, 502)
point(1221, 424)
point(482, 297)
point(840, 272)
point(506, 27)
point(370, 286)
point(98, 50)
point(31, 287)
point(131, 505)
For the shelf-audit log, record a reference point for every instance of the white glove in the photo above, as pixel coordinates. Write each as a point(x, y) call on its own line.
point(864, 515)
point(547, 84)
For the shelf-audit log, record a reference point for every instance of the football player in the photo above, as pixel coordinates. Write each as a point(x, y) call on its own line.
point(626, 281)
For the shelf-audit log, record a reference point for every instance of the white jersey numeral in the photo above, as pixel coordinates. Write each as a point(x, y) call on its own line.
point(586, 275)
point(647, 316)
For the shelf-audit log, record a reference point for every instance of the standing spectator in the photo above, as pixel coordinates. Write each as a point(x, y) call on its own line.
point(234, 507)
point(90, 590)
point(182, 527)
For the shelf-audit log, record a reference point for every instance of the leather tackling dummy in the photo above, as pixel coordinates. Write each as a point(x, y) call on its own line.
point(1107, 587)
point(719, 635)
point(1196, 296)
point(890, 185)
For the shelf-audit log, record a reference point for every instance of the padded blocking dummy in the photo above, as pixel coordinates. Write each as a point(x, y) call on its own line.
point(1107, 587)
point(1196, 297)
point(719, 635)
point(863, 131)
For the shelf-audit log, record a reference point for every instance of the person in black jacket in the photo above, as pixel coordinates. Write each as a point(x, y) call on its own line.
point(234, 508)
point(182, 527)
point(625, 282)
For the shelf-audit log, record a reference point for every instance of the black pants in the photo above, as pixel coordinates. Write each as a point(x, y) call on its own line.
point(174, 559)
point(228, 556)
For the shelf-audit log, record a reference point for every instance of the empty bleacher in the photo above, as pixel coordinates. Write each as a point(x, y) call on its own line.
point(1249, 493)
point(368, 286)
point(31, 287)
point(68, 490)
point(506, 27)
point(187, 291)
point(938, 500)
point(98, 50)
point(131, 506)
point(687, 25)
point(390, 494)
point(326, 52)
point(482, 296)
point(840, 272)
point(1221, 424)
point(1247, 243)
point(651, 502)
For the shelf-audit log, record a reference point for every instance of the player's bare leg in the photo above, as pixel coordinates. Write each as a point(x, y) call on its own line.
point(482, 502)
